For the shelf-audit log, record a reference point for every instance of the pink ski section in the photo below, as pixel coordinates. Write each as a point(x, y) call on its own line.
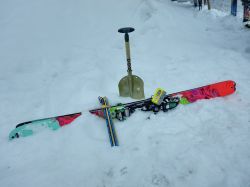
point(65, 120)
point(219, 89)
point(99, 113)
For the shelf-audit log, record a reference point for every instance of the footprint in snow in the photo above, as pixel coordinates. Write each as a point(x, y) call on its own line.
point(124, 171)
point(160, 180)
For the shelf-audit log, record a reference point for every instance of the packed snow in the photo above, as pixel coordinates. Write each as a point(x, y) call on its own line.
point(57, 57)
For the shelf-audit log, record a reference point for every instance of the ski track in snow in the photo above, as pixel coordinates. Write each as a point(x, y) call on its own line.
point(58, 57)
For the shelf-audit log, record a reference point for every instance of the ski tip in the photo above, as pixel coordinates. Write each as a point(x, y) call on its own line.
point(101, 99)
point(225, 87)
point(13, 134)
point(232, 84)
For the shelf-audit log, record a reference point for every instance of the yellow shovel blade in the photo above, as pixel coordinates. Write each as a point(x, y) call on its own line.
point(131, 86)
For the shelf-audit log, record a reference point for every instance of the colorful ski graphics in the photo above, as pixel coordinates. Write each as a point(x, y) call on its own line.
point(234, 7)
point(31, 127)
point(219, 89)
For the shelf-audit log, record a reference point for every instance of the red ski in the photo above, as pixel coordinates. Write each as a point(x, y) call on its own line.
point(210, 91)
point(121, 111)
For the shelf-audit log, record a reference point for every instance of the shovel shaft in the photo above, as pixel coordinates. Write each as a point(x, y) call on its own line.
point(130, 83)
point(127, 47)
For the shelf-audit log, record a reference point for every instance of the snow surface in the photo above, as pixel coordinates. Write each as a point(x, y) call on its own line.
point(57, 57)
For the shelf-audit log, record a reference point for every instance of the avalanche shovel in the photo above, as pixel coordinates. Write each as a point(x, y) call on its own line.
point(130, 85)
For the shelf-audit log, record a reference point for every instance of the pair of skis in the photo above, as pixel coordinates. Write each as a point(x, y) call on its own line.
point(122, 111)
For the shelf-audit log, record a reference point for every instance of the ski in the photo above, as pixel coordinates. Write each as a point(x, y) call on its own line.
point(210, 91)
point(122, 111)
point(109, 121)
point(31, 127)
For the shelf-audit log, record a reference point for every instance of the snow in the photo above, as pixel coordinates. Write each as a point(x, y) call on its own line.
point(57, 57)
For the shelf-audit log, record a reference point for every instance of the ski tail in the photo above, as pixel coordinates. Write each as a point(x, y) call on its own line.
point(30, 127)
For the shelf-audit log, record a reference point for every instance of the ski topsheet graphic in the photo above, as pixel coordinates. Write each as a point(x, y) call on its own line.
point(220, 89)
point(31, 127)
point(122, 111)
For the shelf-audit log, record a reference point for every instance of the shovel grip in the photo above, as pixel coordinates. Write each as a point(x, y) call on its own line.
point(126, 30)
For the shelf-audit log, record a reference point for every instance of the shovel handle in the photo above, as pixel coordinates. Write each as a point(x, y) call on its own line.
point(127, 30)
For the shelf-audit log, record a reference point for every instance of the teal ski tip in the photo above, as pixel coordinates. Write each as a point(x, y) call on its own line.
point(29, 128)
point(20, 132)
